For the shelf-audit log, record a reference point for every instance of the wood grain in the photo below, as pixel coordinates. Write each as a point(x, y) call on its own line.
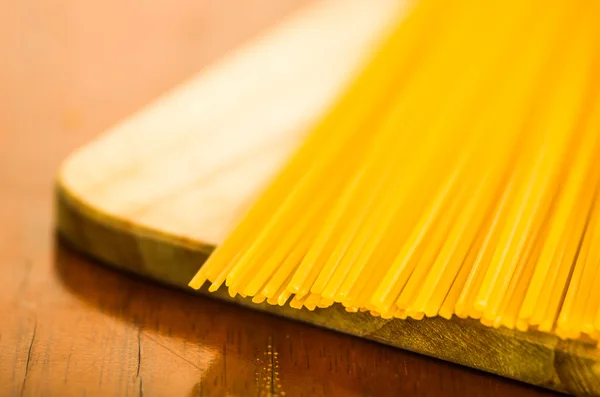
point(69, 327)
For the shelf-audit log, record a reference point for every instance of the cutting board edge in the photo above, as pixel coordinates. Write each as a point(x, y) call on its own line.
point(534, 358)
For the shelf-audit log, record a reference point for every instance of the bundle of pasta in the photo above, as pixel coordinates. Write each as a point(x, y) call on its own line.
point(458, 175)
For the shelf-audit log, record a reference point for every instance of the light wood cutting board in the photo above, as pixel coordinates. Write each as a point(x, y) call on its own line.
point(157, 192)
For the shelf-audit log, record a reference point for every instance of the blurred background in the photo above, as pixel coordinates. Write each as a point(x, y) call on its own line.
point(72, 68)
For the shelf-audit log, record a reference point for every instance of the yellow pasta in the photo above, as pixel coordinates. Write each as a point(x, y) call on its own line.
point(448, 308)
point(510, 311)
point(457, 176)
point(531, 200)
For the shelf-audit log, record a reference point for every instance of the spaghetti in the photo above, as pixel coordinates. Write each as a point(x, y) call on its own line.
point(457, 176)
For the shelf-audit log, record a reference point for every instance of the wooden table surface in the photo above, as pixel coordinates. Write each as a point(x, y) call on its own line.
point(70, 327)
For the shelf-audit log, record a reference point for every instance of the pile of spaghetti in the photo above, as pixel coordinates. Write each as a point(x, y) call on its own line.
point(457, 176)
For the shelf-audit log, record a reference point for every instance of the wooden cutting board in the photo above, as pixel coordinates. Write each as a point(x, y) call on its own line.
point(156, 193)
